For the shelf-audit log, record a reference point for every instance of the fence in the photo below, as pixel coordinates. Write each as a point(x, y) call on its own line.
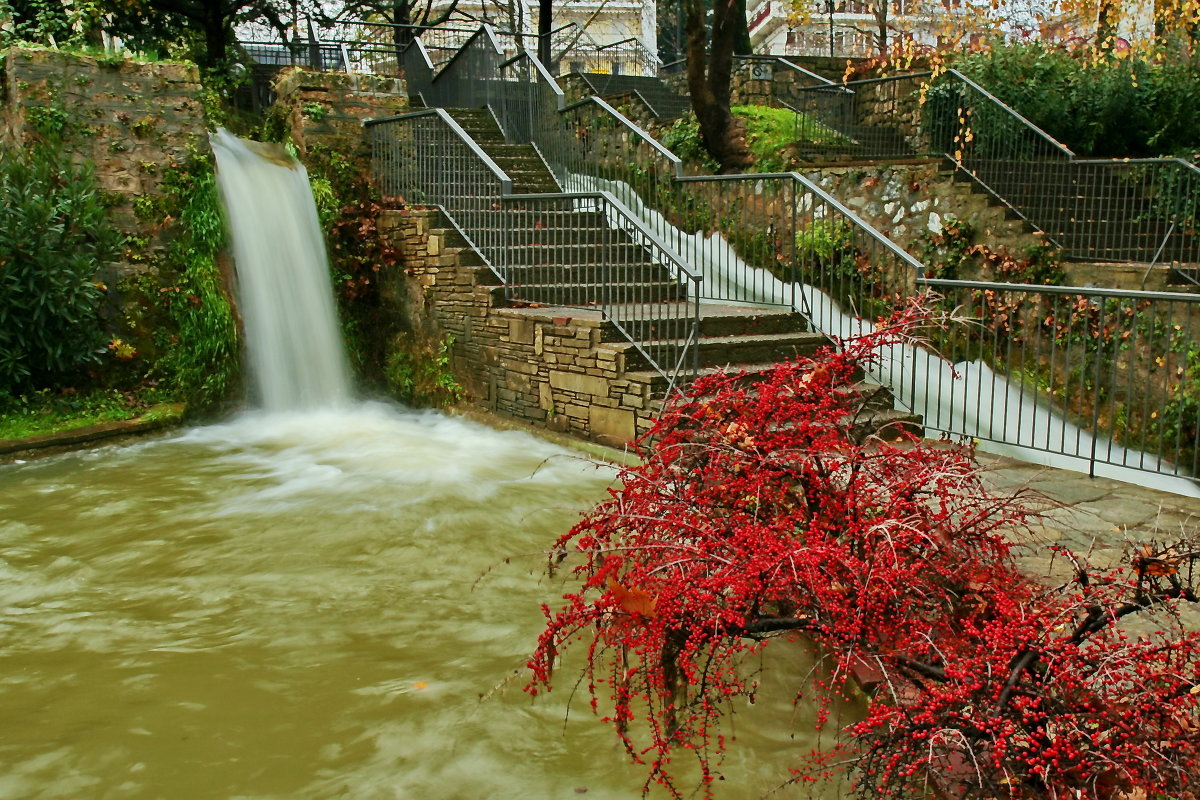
point(874, 118)
point(1142, 210)
point(1095, 375)
point(571, 248)
point(755, 238)
point(1101, 376)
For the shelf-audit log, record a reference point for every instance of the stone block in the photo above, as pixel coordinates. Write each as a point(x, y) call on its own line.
point(522, 330)
point(580, 384)
point(612, 425)
point(545, 396)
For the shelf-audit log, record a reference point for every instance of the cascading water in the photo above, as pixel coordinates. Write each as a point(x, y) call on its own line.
point(982, 403)
point(292, 333)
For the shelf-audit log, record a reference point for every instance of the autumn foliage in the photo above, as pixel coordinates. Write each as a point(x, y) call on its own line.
point(757, 513)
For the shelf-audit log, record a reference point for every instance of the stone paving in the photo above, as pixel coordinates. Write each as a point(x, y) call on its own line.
point(1098, 517)
point(1097, 514)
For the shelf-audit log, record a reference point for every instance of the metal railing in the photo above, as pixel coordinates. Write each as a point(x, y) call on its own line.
point(1098, 376)
point(1104, 377)
point(755, 238)
point(870, 119)
point(1144, 210)
point(582, 249)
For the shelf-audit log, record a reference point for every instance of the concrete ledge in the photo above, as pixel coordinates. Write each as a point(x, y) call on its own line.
point(157, 418)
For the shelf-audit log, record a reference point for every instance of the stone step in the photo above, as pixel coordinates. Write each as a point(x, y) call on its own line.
point(541, 217)
point(591, 294)
point(745, 322)
point(874, 417)
point(621, 280)
point(616, 254)
point(525, 235)
point(715, 351)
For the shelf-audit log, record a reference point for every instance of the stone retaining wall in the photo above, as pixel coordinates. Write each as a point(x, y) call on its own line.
point(131, 121)
point(330, 107)
point(905, 201)
point(551, 367)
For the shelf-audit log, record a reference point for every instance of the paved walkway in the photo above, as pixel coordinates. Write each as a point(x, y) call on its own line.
point(1099, 517)
point(1097, 514)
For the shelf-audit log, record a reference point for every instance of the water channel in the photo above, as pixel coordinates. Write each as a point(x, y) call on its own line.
point(307, 605)
point(321, 599)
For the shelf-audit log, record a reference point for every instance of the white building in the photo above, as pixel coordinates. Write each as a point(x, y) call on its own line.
point(609, 35)
point(854, 28)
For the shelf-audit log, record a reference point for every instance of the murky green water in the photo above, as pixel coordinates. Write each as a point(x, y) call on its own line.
point(305, 606)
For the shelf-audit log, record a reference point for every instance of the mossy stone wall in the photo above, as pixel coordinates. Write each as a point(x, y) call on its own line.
point(131, 121)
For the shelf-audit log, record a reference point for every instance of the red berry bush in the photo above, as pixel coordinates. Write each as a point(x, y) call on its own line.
point(758, 513)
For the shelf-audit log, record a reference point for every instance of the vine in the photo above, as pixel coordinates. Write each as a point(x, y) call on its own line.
point(201, 359)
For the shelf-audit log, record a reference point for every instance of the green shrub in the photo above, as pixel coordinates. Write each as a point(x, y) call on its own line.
point(1097, 104)
point(418, 372)
point(202, 361)
point(683, 139)
point(55, 240)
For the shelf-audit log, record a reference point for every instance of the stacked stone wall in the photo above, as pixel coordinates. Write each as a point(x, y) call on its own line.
point(132, 122)
point(906, 201)
point(551, 367)
point(330, 107)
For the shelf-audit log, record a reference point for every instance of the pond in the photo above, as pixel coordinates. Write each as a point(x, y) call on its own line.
point(306, 605)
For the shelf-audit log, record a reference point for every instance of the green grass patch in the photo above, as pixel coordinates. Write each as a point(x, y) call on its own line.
point(775, 137)
point(45, 412)
point(769, 130)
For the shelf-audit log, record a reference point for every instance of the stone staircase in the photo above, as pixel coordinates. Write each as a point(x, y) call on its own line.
point(1083, 217)
point(664, 102)
point(562, 259)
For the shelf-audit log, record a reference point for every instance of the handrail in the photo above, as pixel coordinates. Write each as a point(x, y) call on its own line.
point(396, 25)
point(484, 30)
point(676, 161)
point(1183, 162)
point(783, 62)
point(559, 94)
point(1011, 111)
point(888, 78)
point(626, 40)
point(825, 196)
point(501, 175)
point(1083, 291)
point(634, 219)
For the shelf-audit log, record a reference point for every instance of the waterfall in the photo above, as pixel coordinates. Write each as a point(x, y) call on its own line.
point(292, 332)
point(968, 397)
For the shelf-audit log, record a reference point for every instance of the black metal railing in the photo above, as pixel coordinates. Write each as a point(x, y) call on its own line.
point(1143, 210)
point(582, 249)
point(1104, 377)
point(872, 119)
point(1098, 376)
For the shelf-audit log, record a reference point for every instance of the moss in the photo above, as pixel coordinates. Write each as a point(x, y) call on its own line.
point(202, 360)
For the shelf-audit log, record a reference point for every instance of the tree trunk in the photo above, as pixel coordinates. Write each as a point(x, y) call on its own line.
point(216, 37)
point(881, 26)
point(545, 22)
point(741, 40)
point(401, 15)
point(710, 72)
